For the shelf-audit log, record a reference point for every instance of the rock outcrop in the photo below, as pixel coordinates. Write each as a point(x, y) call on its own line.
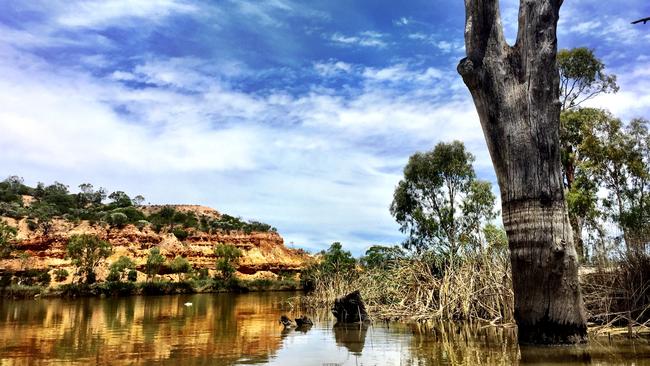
point(264, 254)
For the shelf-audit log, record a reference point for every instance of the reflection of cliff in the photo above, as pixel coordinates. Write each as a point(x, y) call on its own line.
point(264, 253)
point(222, 328)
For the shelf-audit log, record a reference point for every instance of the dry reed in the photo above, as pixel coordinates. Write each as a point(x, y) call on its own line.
point(476, 288)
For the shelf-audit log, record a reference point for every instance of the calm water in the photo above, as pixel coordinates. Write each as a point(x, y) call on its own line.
point(227, 329)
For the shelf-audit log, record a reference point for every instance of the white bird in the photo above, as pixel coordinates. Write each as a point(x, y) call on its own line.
point(188, 304)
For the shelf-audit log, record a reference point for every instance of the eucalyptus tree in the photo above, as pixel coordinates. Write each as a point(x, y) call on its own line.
point(582, 77)
point(86, 252)
point(7, 235)
point(516, 93)
point(439, 204)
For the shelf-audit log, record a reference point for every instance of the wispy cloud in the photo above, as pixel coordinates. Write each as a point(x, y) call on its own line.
point(98, 13)
point(365, 39)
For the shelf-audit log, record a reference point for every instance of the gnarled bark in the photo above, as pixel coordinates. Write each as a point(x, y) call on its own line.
point(515, 90)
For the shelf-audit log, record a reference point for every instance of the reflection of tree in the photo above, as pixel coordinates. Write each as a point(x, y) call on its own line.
point(80, 340)
point(352, 336)
point(449, 343)
point(578, 355)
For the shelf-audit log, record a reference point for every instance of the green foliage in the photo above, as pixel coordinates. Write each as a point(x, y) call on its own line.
point(154, 262)
point(44, 213)
point(32, 277)
point(179, 266)
point(227, 258)
point(116, 288)
point(117, 219)
point(7, 235)
point(119, 199)
point(382, 257)
point(600, 153)
point(495, 237)
point(60, 274)
point(132, 275)
point(180, 234)
point(582, 77)
point(120, 268)
point(141, 224)
point(88, 197)
point(439, 203)
point(56, 202)
point(86, 252)
point(12, 188)
point(335, 262)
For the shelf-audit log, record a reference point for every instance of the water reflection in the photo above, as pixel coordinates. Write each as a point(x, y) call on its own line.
point(226, 329)
point(351, 336)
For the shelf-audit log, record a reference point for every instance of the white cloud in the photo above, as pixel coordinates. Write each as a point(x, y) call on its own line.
point(402, 21)
point(401, 73)
point(99, 13)
point(332, 170)
point(437, 40)
point(365, 39)
point(332, 68)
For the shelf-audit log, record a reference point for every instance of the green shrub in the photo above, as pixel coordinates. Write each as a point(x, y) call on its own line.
point(75, 290)
point(117, 288)
point(180, 234)
point(113, 276)
point(60, 274)
point(153, 288)
point(132, 275)
point(118, 219)
point(22, 291)
point(141, 224)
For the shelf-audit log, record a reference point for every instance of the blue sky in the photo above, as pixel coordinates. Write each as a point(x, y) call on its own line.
point(301, 114)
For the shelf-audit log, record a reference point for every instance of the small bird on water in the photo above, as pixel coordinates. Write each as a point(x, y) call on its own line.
point(188, 304)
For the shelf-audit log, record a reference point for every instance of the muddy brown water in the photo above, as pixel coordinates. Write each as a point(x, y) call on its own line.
point(230, 329)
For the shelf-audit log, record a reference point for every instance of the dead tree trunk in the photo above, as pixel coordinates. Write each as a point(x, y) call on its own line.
point(516, 93)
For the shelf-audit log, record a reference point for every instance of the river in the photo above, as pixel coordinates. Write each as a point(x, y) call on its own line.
point(243, 329)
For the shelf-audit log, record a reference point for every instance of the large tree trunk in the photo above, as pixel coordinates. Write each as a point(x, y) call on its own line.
point(516, 93)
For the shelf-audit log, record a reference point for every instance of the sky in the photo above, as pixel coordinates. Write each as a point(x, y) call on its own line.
point(298, 113)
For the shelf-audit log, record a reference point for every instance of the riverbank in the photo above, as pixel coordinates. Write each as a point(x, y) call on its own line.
point(229, 329)
point(121, 288)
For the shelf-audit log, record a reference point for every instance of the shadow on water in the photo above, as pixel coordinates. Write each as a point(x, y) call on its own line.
point(229, 329)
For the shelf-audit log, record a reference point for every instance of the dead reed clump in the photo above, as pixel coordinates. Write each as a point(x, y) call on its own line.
point(618, 294)
point(475, 288)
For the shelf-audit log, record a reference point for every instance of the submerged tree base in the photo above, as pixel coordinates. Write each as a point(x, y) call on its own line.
point(547, 332)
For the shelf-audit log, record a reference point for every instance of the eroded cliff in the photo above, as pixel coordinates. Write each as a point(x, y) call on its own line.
point(264, 254)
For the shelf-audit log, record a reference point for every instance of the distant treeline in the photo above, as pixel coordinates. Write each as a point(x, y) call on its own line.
point(117, 209)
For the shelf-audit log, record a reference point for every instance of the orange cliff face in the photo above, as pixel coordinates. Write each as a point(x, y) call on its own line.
point(264, 254)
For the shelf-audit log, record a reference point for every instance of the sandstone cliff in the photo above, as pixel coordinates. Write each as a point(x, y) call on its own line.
point(264, 253)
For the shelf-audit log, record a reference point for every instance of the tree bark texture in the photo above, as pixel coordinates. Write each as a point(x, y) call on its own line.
point(516, 93)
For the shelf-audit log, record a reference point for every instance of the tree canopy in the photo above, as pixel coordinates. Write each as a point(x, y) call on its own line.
point(86, 252)
point(440, 204)
point(582, 77)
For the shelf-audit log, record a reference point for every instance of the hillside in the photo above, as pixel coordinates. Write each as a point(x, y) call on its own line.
point(44, 222)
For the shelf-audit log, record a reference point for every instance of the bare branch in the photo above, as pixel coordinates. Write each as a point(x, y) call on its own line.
point(644, 20)
point(483, 30)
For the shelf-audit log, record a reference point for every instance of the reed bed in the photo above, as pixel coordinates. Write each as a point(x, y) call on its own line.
point(476, 288)
point(479, 288)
